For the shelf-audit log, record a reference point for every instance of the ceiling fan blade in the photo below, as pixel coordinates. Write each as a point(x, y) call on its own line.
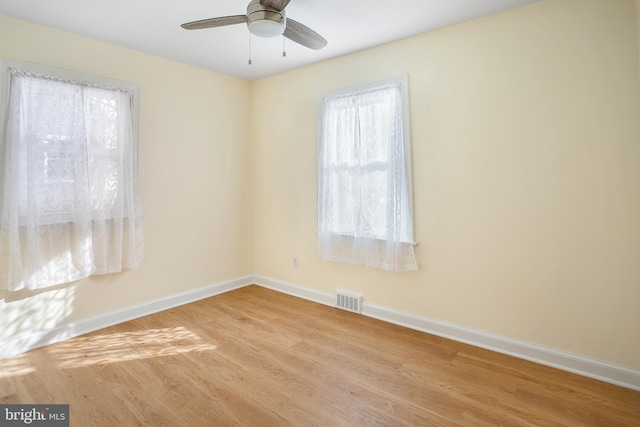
point(303, 35)
point(215, 22)
point(278, 5)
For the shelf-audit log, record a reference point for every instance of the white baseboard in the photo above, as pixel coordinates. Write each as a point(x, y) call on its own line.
point(24, 343)
point(326, 298)
point(604, 371)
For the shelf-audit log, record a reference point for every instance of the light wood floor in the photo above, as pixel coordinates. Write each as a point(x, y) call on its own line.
point(255, 357)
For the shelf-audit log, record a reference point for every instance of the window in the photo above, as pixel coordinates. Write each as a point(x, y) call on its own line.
point(364, 182)
point(68, 177)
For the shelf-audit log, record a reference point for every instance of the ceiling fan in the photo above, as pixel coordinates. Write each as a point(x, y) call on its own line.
point(266, 18)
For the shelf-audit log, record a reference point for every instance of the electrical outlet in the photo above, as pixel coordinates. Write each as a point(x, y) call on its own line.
point(295, 262)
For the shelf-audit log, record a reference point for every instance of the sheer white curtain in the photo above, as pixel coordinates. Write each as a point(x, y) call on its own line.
point(69, 182)
point(364, 194)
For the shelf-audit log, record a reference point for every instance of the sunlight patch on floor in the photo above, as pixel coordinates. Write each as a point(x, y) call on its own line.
point(124, 346)
point(17, 365)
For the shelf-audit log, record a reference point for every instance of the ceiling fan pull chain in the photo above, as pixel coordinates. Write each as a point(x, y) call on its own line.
point(284, 46)
point(250, 48)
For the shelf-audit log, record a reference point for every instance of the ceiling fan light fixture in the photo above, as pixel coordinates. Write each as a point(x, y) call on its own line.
point(266, 28)
point(264, 21)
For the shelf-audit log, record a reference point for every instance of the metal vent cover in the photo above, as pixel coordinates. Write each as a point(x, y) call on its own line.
point(349, 301)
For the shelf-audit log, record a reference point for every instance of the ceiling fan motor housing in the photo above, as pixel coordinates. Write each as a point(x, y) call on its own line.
point(264, 21)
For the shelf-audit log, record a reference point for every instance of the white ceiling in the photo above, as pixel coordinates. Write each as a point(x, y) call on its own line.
point(153, 26)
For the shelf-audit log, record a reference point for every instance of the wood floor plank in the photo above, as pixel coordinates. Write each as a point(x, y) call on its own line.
point(256, 357)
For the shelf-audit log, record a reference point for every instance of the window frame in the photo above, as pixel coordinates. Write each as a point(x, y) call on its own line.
point(7, 64)
point(403, 82)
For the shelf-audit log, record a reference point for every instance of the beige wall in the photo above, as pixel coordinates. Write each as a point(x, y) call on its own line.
point(194, 182)
point(526, 164)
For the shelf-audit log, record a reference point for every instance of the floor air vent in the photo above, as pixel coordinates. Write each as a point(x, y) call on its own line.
point(349, 301)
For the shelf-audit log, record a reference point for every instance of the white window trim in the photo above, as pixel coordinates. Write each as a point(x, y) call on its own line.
point(7, 64)
point(403, 80)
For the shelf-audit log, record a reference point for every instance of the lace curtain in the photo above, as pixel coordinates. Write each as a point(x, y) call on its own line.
point(364, 203)
point(69, 183)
